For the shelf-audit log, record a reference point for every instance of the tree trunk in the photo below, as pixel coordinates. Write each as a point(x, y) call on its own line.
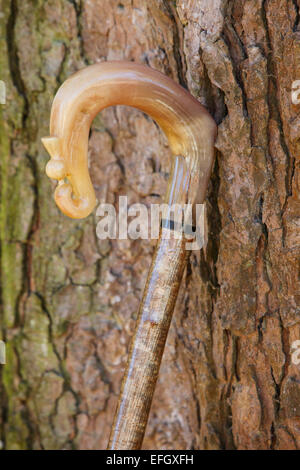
point(228, 379)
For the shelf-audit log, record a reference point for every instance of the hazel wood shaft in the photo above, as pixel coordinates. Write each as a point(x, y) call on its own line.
point(154, 317)
point(148, 343)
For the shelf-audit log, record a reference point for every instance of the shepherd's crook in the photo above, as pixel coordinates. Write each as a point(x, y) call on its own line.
point(191, 133)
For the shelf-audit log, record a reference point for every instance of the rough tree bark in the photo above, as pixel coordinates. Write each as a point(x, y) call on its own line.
point(69, 300)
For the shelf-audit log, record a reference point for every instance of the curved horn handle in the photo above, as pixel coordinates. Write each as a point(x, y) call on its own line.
point(188, 126)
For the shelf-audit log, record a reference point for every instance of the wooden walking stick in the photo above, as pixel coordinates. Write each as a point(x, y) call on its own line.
point(191, 133)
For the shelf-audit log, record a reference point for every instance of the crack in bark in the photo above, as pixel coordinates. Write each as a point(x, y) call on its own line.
point(63, 373)
point(235, 67)
point(78, 7)
point(178, 55)
point(275, 113)
point(13, 59)
point(297, 19)
point(261, 254)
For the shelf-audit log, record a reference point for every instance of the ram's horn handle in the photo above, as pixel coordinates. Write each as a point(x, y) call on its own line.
point(191, 134)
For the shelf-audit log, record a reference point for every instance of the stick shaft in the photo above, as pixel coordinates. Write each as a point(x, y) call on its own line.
point(148, 344)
